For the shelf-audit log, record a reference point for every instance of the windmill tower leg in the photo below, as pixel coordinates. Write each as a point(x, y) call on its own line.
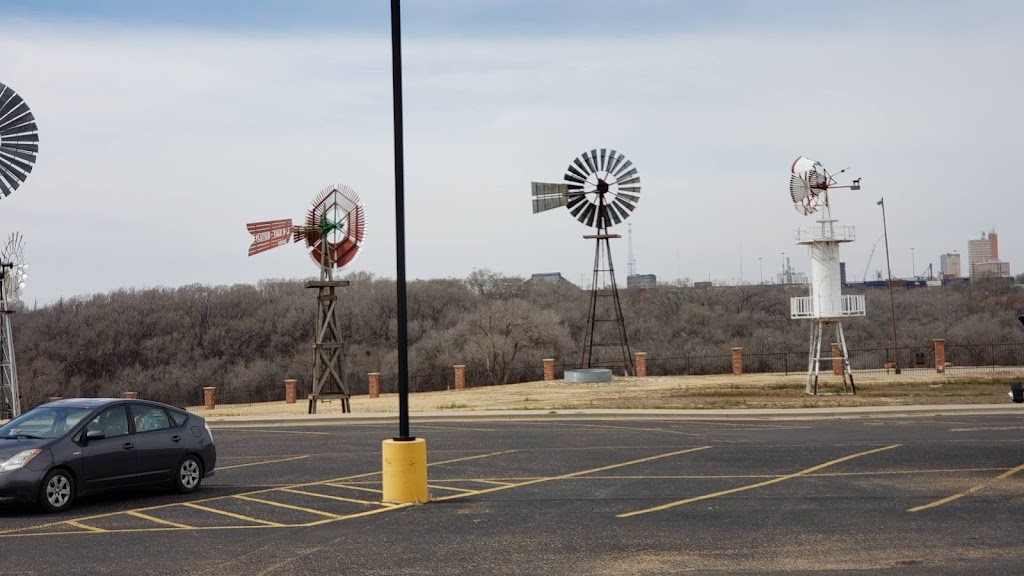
point(10, 400)
point(327, 381)
point(602, 312)
point(847, 370)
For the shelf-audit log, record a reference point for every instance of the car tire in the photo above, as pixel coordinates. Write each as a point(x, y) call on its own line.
point(57, 491)
point(188, 475)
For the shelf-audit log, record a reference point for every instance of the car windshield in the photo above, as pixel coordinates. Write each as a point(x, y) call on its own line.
point(43, 422)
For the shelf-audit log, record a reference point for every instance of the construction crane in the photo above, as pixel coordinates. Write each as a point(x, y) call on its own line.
point(870, 256)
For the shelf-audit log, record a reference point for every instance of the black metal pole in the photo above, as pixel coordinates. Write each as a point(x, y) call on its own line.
point(403, 319)
point(892, 303)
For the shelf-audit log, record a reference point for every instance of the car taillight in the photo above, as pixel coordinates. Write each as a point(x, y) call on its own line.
point(208, 431)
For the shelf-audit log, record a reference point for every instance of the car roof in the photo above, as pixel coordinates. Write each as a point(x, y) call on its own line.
point(93, 403)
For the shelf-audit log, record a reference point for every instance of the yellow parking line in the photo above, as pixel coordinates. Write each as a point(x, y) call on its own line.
point(339, 498)
point(155, 519)
point(267, 430)
point(757, 485)
point(231, 514)
point(452, 488)
point(351, 487)
point(85, 526)
point(571, 474)
point(219, 468)
point(496, 482)
point(289, 506)
point(970, 490)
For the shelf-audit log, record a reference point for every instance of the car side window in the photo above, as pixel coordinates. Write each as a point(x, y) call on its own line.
point(178, 417)
point(112, 422)
point(149, 418)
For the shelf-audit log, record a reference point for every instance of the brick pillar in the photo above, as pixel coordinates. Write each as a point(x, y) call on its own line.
point(837, 364)
point(460, 376)
point(549, 368)
point(130, 395)
point(291, 389)
point(210, 397)
point(374, 384)
point(54, 398)
point(737, 361)
point(641, 364)
point(940, 356)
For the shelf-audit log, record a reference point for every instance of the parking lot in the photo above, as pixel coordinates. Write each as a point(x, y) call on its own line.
point(925, 495)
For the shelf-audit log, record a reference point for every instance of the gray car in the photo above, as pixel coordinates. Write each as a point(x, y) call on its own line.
point(61, 450)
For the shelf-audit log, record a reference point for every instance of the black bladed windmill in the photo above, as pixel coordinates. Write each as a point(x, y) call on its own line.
point(19, 145)
point(333, 232)
point(601, 188)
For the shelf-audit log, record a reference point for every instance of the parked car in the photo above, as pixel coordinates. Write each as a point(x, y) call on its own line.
point(60, 450)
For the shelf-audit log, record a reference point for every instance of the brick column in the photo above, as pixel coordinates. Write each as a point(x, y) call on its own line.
point(940, 356)
point(460, 376)
point(374, 384)
point(837, 364)
point(641, 364)
point(54, 398)
point(291, 388)
point(129, 395)
point(549, 369)
point(210, 397)
point(737, 361)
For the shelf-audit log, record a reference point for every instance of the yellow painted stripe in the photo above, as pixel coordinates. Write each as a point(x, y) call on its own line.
point(219, 468)
point(452, 488)
point(757, 485)
point(77, 524)
point(288, 506)
point(351, 487)
point(971, 490)
point(231, 514)
point(267, 430)
point(571, 474)
point(339, 498)
point(482, 481)
point(154, 519)
point(356, 515)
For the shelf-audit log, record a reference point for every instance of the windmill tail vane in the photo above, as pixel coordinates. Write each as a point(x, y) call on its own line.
point(269, 234)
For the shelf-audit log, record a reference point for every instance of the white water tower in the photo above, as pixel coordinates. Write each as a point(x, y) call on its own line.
point(809, 184)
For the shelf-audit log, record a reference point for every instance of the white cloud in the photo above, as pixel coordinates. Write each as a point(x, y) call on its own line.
point(158, 145)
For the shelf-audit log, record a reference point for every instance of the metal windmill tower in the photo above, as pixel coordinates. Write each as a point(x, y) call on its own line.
point(19, 145)
point(601, 188)
point(333, 231)
point(809, 185)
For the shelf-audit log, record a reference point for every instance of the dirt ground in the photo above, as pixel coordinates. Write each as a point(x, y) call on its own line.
point(678, 392)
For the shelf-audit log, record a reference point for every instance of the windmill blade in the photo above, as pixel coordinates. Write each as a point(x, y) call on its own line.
point(269, 234)
point(604, 158)
point(590, 161)
point(614, 159)
point(18, 138)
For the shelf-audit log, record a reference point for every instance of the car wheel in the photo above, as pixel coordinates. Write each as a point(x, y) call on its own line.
point(188, 476)
point(57, 491)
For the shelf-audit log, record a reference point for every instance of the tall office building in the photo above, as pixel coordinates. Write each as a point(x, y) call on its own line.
point(949, 265)
point(983, 257)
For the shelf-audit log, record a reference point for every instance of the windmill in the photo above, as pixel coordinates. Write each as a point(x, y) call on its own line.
point(19, 145)
point(333, 232)
point(809, 186)
point(601, 188)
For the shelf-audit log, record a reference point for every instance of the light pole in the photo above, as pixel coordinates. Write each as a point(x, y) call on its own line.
point(913, 265)
point(760, 271)
point(892, 302)
point(782, 279)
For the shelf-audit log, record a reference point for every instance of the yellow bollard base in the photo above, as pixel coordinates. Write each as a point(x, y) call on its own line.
point(405, 471)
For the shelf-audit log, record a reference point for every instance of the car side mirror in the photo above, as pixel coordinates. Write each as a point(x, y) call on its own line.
point(94, 435)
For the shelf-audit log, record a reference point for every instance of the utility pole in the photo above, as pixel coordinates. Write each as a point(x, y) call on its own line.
point(892, 302)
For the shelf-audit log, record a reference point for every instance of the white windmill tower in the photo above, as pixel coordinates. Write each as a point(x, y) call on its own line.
point(13, 274)
point(809, 185)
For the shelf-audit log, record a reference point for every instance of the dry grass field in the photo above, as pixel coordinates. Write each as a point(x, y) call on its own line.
point(677, 392)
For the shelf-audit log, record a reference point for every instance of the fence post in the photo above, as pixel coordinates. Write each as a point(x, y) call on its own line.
point(129, 395)
point(940, 355)
point(210, 397)
point(549, 368)
point(291, 387)
point(641, 364)
point(374, 384)
point(460, 376)
point(737, 361)
point(837, 365)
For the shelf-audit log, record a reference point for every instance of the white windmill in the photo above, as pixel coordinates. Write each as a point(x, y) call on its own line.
point(13, 273)
point(809, 185)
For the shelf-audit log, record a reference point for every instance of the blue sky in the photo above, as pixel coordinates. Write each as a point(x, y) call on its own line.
point(166, 126)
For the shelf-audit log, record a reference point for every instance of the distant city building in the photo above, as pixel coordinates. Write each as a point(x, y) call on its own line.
point(983, 257)
point(549, 277)
point(642, 281)
point(949, 265)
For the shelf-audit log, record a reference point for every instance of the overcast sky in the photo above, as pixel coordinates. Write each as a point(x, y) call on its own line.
point(165, 127)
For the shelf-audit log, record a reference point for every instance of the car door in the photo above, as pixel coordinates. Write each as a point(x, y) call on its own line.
point(159, 443)
point(110, 461)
